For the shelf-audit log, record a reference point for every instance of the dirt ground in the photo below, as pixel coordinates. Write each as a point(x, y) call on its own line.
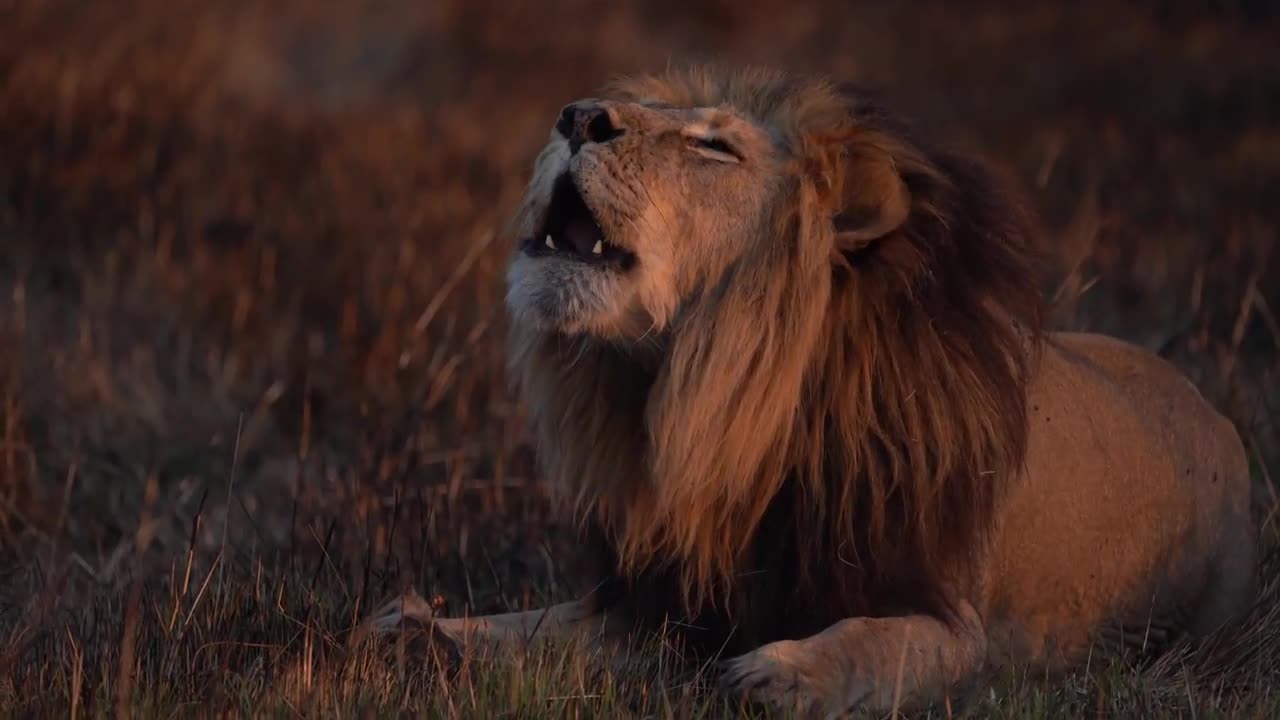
point(251, 321)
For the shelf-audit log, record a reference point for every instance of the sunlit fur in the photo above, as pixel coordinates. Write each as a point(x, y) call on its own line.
point(873, 394)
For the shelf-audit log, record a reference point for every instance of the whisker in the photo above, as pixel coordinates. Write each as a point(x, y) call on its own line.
point(655, 205)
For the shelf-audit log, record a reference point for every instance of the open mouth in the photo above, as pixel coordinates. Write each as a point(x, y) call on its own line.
point(572, 232)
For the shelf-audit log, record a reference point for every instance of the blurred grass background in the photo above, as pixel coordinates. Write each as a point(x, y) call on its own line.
point(251, 325)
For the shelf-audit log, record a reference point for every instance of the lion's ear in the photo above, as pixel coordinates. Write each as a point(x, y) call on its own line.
point(872, 199)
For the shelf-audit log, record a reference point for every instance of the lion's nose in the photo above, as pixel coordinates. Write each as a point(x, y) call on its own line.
point(581, 124)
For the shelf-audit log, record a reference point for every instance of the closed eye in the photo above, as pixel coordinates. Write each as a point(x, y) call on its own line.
point(714, 148)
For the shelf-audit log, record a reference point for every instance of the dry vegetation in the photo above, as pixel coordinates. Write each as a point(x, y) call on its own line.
point(251, 321)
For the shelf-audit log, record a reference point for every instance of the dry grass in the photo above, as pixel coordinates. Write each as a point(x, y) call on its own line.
point(250, 340)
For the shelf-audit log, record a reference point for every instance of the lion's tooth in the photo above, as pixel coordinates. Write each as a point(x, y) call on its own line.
point(551, 243)
point(599, 248)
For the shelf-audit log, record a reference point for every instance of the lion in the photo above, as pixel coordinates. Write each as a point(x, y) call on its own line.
point(785, 362)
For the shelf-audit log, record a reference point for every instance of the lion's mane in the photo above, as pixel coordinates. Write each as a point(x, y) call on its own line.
point(825, 429)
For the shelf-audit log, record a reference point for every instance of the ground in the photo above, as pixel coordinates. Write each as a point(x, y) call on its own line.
point(251, 325)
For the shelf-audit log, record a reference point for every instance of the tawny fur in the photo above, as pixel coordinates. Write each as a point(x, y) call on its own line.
point(818, 421)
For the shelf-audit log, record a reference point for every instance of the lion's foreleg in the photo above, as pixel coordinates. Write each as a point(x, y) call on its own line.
point(872, 663)
point(564, 621)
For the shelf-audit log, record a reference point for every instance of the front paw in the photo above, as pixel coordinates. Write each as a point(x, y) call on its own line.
point(412, 620)
point(773, 676)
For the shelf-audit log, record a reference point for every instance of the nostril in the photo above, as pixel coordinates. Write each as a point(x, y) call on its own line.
point(567, 121)
point(580, 124)
point(600, 128)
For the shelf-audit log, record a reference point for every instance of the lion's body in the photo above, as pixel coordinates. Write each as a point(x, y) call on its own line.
point(1130, 522)
point(1133, 509)
point(784, 361)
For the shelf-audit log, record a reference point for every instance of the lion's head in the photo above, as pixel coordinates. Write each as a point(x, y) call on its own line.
point(632, 207)
point(735, 292)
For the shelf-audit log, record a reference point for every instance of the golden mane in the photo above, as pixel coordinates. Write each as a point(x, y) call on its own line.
point(843, 408)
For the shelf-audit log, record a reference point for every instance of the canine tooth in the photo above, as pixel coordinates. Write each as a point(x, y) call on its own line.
point(599, 248)
point(551, 243)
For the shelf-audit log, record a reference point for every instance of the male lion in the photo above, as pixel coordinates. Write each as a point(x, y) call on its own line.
point(784, 360)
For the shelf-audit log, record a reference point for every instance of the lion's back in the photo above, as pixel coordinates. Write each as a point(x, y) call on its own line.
point(1135, 488)
point(1174, 413)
